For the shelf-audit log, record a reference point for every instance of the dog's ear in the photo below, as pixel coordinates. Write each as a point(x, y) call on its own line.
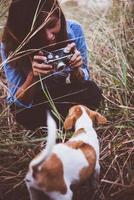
point(95, 116)
point(69, 122)
point(74, 113)
point(100, 119)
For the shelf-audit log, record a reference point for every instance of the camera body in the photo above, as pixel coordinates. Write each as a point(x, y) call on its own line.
point(59, 59)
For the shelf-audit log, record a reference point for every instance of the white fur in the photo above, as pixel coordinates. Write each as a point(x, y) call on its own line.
point(51, 140)
point(90, 137)
point(73, 160)
point(59, 196)
point(67, 155)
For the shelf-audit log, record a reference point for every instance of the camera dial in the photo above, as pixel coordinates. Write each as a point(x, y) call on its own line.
point(66, 51)
point(50, 56)
point(59, 58)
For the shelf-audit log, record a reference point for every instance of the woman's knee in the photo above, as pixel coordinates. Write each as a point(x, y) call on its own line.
point(29, 118)
point(91, 94)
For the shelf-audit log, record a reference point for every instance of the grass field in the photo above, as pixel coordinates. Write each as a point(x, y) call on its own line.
point(110, 40)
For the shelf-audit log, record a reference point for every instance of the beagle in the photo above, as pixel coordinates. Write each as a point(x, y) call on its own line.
point(61, 165)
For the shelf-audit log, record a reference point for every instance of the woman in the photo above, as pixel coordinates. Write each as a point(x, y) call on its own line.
point(33, 28)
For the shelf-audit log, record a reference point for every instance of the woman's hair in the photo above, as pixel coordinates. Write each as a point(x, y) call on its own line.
point(25, 17)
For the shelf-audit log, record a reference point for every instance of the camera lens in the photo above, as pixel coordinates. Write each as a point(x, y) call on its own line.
point(60, 66)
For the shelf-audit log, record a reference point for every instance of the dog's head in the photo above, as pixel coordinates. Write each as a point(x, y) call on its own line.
point(75, 113)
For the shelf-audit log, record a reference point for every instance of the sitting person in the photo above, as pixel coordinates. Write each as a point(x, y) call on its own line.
point(34, 27)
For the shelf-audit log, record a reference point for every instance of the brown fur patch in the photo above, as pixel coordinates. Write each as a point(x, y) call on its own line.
point(79, 131)
point(74, 113)
point(90, 155)
point(49, 175)
point(95, 116)
point(74, 144)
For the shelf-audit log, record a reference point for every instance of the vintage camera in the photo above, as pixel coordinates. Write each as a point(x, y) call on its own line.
point(59, 59)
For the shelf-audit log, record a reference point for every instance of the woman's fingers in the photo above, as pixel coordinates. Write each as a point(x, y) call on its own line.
point(77, 64)
point(41, 68)
point(40, 71)
point(37, 71)
point(75, 56)
point(76, 60)
point(39, 58)
point(71, 47)
point(41, 53)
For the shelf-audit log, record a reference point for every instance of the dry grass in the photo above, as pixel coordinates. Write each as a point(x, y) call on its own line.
point(110, 40)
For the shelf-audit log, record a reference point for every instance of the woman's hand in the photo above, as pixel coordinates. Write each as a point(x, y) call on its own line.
point(39, 66)
point(76, 60)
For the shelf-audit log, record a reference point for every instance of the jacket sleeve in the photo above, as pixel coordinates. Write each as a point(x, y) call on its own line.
point(14, 78)
point(82, 47)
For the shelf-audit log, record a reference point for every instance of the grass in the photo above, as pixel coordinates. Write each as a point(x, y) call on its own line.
point(110, 39)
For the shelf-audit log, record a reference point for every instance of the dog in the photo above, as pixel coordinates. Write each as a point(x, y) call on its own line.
point(59, 166)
